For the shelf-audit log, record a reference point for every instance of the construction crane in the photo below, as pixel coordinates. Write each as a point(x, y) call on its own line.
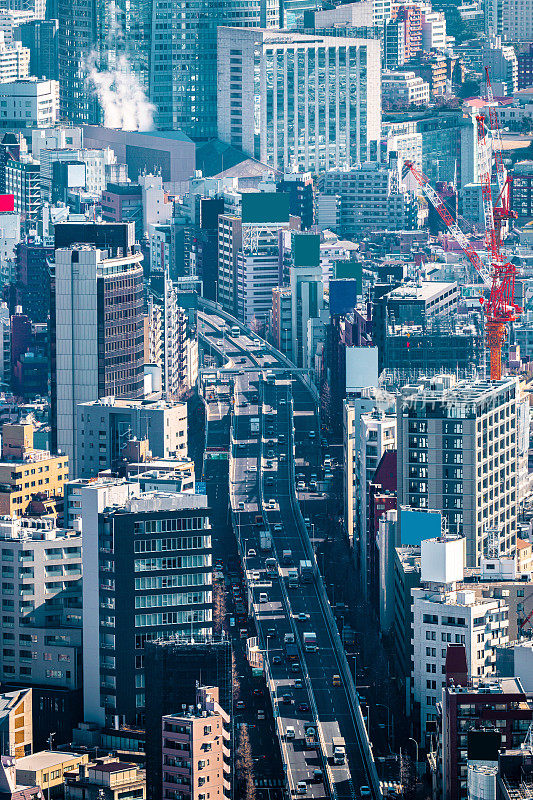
point(502, 206)
point(500, 308)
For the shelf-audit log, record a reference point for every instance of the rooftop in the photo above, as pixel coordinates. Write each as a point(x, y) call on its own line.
point(45, 759)
point(8, 701)
point(114, 766)
point(119, 402)
point(425, 290)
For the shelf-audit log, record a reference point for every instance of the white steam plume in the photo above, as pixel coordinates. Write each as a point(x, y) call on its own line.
point(121, 96)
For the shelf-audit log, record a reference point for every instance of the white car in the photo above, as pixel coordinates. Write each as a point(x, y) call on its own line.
point(301, 787)
point(251, 553)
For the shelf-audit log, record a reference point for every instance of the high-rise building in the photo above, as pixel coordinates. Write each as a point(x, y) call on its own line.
point(248, 253)
point(173, 671)
point(147, 568)
point(23, 181)
point(458, 454)
point(445, 614)
point(33, 279)
point(204, 728)
point(97, 329)
point(281, 99)
point(41, 622)
point(40, 37)
point(510, 19)
point(105, 427)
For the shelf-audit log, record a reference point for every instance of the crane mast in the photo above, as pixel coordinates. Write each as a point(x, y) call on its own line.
point(500, 309)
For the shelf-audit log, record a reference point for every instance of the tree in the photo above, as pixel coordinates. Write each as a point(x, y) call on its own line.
point(469, 88)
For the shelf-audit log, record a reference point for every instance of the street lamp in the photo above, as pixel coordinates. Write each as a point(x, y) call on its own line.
point(416, 745)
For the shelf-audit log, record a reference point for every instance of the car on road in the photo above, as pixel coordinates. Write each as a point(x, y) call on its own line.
point(258, 692)
point(276, 659)
point(336, 680)
point(260, 714)
point(252, 553)
point(301, 787)
point(271, 633)
point(298, 683)
point(240, 704)
point(302, 615)
point(290, 732)
point(300, 486)
point(318, 776)
point(287, 699)
point(303, 707)
point(295, 666)
point(364, 791)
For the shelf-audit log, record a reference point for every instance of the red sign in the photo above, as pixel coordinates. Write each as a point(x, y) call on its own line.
point(7, 202)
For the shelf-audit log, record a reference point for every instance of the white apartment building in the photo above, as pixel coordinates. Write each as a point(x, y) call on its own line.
point(28, 103)
point(56, 138)
point(41, 598)
point(371, 197)
point(458, 454)
point(292, 100)
point(433, 30)
point(14, 60)
point(404, 87)
point(157, 209)
point(96, 162)
point(443, 614)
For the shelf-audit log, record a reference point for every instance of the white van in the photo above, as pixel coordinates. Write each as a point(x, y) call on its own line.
point(263, 597)
point(289, 732)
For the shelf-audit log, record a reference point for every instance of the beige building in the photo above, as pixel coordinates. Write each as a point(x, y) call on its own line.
point(48, 768)
point(106, 779)
point(16, 726)
point(196, 753)
point(31, 480)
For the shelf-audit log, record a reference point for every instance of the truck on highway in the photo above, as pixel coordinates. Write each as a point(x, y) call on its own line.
point(235, 330)
point(292, 574)
point(339, 750)
point(291, 651)
point(271, 566)
point(311, 738)
point(310, 642)
point(265, 540)
point(287, 557)
point(254, 424)
point(306, 571)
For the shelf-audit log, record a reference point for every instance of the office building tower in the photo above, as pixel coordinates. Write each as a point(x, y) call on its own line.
point(33, 279)
point(184, 81)
point(295, 101)
point(97, 329)
point(105, 427)
point(147, 569)
point(23, 181)
point(301, 190)
point(458, 454)
point(173, 671)
point(40, 37)
point(370, 195)
point(510, 19)
point(202, 728)
point(525, 67)
point(445, 613)
point(307, 293)
point(41, 622)
point(248, 253)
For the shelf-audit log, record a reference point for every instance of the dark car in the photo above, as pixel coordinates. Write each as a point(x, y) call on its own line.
point(303, 707)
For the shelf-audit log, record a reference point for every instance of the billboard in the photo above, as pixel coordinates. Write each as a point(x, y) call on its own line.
point(7, 202)
point(306, 249)
point(342, 296)
point(265, 207)
point(417, 524)
point(350, 269)
point(361, 367)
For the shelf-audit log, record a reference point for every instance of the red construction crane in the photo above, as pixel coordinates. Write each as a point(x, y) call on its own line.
point(500, 308)
point(502, 206)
